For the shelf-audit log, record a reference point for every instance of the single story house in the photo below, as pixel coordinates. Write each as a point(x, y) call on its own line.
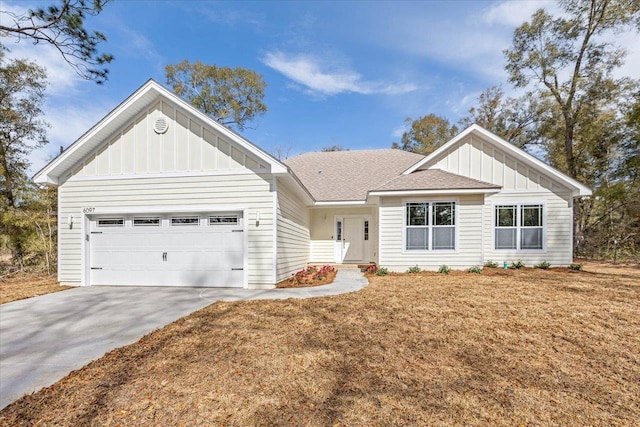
point(159, 194)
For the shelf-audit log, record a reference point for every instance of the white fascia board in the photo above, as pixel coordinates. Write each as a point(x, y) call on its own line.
point(578, 188)
point(341, 203)
point(160, 209)
point(434, 192)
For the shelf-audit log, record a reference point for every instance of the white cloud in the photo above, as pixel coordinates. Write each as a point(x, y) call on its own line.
point(323, 78)
point(513, 13)
point(400, 130)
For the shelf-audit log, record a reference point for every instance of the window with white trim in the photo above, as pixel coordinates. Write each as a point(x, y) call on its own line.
point(185, 220)
point(110, 222)
point(430, 226)
point(223, 220)
point(518, 227)
point(146, 221)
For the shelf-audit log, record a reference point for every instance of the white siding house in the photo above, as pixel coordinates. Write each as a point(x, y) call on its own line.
point(157, 193)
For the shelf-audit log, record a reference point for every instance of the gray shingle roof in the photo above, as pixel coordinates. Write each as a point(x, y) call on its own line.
point(348, 175)
point(433, 179)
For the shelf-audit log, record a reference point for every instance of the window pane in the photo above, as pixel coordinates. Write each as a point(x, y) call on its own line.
point(417, 238)
point(444, 238)
point(339, 230)
point(417, 213)
point(531, 238)
point(143, 221)
point(366, 230)
point(505, 216)
point(443, 214)
point(505, 238)
point(110, 222)
point(531, 216)
point(223, 220)
point(185, 220)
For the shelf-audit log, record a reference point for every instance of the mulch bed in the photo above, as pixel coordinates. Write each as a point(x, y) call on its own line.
point(23, 286)
point(309, 277)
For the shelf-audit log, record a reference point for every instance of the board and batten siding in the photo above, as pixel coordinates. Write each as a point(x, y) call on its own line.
point(247, 190)
point(557, 223)
point(187, 145)
point(292, 233)
point(469, 235)
point(475, 158)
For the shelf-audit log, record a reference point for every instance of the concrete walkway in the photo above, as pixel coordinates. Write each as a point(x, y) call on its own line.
point(42, 339)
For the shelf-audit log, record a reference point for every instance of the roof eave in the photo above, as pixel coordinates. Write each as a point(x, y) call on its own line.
point(456, 191)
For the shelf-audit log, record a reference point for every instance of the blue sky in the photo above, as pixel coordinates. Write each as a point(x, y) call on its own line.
point(345, 73)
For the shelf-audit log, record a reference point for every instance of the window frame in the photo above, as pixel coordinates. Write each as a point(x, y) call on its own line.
point(146, 218)
point(430, 227)
point(121, 220)
point(184, 224)
point(519, 205)
point(223, 223)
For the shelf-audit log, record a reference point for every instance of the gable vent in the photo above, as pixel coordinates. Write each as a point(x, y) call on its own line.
point(160, 126)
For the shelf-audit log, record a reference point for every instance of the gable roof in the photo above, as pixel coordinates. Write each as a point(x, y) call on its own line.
point(578, 189)
point(128, 110)
point(431, 180)
point(340, 176)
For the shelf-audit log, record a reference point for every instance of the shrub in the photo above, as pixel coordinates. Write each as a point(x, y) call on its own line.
point(491, 264)
point(382, 271)
point(372, 269)
point(476, 269)
point(444, 269)
point(575, 267)
point(544, 265)
point(415, 269)
point(517, 265)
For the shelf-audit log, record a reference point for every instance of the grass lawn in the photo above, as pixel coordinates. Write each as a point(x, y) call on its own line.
point(28, 285)
point(526, 347)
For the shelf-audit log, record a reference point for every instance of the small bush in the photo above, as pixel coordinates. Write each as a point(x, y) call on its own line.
point(491, 264)
point(382, 271)
point(444, 269)
point(476, 269)
point(415, 269)
point(517, 265)
point(372, 269)
point(575, 267)
point(544, 265)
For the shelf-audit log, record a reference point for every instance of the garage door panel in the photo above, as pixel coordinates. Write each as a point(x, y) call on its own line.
point(166, 255)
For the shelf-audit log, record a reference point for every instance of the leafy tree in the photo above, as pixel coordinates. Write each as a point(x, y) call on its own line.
point(22, 86)
point(546, 49)
point(426, 134)
point(232, 96)
point(63, 27)
point(513, 119)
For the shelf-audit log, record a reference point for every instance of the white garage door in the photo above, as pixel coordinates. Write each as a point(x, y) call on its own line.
point(167, 250)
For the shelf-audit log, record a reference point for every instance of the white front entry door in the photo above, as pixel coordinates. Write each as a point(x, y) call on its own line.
point(167, 250)
point(353, 239)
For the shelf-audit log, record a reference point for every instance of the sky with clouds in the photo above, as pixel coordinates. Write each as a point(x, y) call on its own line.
point(338, 72)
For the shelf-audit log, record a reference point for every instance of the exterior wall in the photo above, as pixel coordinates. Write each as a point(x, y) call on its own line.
point(292, 233)
point(246, 190)
point(557, 221)
point(187, 145)
point(469, 236)
point(323, 243)
point(475, 158)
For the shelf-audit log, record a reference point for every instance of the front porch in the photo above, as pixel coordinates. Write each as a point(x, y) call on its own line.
point(344, 235)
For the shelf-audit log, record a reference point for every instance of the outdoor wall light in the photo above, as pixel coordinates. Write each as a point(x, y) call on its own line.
point(70, 222)
point(257, 218)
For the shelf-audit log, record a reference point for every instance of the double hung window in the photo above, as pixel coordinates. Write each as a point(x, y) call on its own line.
point(430, 226)
point(518, 227)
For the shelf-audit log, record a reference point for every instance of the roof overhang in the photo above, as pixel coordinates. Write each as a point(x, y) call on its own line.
point(340, 203)
point(443, 192)
point(577, 189)
point(126, 111)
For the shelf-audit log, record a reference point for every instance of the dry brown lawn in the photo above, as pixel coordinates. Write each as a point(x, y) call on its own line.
point(511, 348)
point(26, 286)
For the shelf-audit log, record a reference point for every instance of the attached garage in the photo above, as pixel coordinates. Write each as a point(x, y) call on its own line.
point(167, 249)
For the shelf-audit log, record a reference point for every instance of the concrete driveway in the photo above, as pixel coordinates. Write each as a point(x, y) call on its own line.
point(44, 338)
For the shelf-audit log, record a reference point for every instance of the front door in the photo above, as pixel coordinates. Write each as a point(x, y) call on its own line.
point(353, 239)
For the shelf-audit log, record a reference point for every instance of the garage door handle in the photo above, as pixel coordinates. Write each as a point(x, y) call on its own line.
point(164, 256)
point(237, 231)
point(237, 269)
point(96, 268)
